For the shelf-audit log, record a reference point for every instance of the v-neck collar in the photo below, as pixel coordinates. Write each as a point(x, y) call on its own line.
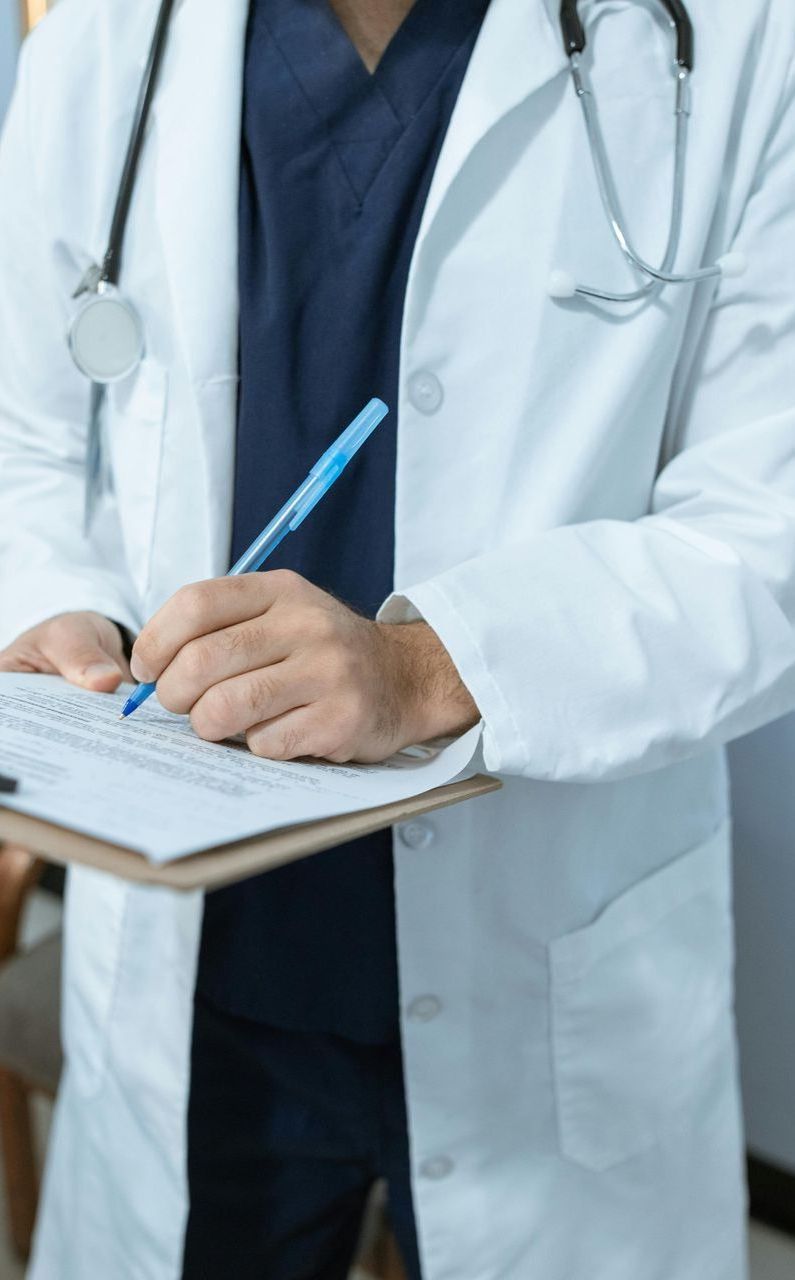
point(417, 57)
point(354, 103)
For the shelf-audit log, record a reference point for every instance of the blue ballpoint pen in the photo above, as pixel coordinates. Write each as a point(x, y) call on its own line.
point(320, 479)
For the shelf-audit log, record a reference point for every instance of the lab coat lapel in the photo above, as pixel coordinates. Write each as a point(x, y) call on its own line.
point(519, 50)
point(197, 135)
point(197, 117)
point(197, 120)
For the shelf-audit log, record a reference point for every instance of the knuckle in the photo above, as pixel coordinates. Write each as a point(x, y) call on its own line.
point(286, 580)
point(221, 703)
point(195, 660)
point(202, 724)
point(292, 743)
point(213, 713)
point(265, 743)
point(193, 601)
point(168, 698)
point(234, 642)
point(261, 693)
point(274, 743)
point(256, 743)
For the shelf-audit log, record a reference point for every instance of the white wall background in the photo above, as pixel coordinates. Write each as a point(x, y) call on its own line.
point(9, 41)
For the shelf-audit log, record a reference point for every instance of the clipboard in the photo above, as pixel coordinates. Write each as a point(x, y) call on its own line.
point(225, 864)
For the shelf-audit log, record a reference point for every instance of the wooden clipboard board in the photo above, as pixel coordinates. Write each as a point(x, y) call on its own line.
point(230, 862)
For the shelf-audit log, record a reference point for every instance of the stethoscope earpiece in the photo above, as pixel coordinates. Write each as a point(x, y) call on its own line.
point(732, 265)
point(561, 284)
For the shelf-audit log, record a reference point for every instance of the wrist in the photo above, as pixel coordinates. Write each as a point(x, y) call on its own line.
point(127, 638)
point(434, 700)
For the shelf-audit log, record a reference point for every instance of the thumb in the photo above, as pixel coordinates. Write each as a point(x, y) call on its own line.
point(89, 666)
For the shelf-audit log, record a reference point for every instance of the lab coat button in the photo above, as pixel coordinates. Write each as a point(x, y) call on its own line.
point(424, 1008)
point(416, 834)
point(436, 1167)
point(425, 392)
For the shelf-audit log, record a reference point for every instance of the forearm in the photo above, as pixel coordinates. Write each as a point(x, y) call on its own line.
point(435, 701)
point(602, 650)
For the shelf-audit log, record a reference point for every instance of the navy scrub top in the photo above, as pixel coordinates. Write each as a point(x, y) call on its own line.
point(335, 169)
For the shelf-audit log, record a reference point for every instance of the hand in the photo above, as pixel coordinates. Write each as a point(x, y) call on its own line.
point(85, 648)
point(271, 656)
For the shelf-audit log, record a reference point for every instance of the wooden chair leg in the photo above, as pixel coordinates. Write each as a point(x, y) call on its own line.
point(391, 1262)
point(19, 1160)
point(381, 1259)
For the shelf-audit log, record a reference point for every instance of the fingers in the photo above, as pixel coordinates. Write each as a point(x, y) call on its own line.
point(18, 658)
point(84, 649)
point(77, 653)
point(218, 657)
point(328, 729)
point(275, 657)
point(199, 610)
point(288, 737)
point(94, 671)
point(233, 705)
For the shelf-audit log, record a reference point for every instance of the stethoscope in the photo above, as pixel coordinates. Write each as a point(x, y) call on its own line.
point(561, 283)
point(106, 336)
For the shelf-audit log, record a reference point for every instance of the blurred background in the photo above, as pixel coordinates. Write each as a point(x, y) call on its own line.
point(10, 23)
point(764, 810)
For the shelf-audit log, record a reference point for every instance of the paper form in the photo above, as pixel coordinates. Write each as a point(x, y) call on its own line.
point(150, 784)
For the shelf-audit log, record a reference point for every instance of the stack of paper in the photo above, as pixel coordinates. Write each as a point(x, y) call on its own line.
point(150, 785)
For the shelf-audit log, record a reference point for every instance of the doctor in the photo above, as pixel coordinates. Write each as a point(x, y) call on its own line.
point(578, 528)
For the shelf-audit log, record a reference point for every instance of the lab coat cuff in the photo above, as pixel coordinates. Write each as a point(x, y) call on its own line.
point(428, 602)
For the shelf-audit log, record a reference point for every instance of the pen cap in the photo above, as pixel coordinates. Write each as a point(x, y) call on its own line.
point(352, 438)
point(335, 460)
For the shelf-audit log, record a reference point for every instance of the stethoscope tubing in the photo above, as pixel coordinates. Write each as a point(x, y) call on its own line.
point(106, 275)
point(562, 285)
point(111, 264)
point(608, 193)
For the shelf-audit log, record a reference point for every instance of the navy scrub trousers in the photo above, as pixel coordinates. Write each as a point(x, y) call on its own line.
point(297, 1102)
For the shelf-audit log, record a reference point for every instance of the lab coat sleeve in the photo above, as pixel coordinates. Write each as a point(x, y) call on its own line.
point(602, 649)
point(46, 565)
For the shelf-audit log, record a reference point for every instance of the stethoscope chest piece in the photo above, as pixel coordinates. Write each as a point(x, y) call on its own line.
point(106, 336)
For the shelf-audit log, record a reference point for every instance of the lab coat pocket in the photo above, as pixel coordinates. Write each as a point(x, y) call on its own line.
point(94, 924)
point(137, 410)
point(641, 1008)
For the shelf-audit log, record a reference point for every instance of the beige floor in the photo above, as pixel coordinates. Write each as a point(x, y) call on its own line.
point(772, 1254)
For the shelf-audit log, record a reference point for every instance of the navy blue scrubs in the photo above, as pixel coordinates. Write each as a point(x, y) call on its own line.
point(335, 169)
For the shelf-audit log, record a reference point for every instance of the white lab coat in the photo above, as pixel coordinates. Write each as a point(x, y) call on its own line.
point(595, 510)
